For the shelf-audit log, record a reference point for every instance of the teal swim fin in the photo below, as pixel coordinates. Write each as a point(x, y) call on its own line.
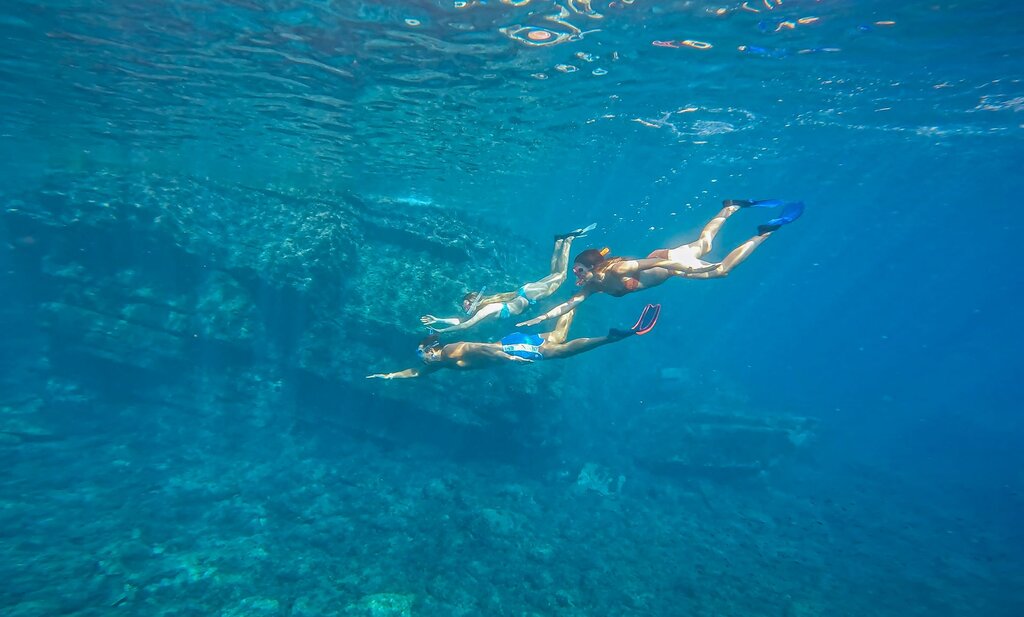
point(577, 233)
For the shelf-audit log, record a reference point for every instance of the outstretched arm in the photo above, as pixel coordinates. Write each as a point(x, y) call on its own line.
point(632, 267)
point(408, 373)
point(430, 320)
point(516, 359)
point(498, 353)
point(559, 310)
point(488, 311)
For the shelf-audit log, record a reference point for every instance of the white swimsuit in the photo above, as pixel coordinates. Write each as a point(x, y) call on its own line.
point(687, 255)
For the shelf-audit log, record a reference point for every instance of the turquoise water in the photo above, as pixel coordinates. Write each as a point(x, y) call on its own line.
point(218, 218)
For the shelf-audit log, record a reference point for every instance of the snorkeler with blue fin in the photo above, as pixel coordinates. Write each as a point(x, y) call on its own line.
point(517, 347)
point(479, 307)
point(597, 273)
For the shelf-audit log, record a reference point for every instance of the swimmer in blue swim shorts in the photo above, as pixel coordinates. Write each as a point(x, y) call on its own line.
point(517, 347)
point(479, 307)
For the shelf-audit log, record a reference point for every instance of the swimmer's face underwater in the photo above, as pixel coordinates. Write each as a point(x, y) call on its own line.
point(469, 302)
point(429, 355)
point(583, 274)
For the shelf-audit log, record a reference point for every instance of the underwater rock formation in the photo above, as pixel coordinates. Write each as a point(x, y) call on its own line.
point(602, 481)
point(383, 605)
point(719, 443)
point(157, 279)
point(271, 305)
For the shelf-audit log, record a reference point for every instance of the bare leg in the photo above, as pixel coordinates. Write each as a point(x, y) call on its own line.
point(555, 346)
point(707, 235)
point(557, 351)
point(690, 254)
point(543, 288)
point(733, 259)
point(560, 256)
point(548, 285)
point(561, 264)
point(561, 331)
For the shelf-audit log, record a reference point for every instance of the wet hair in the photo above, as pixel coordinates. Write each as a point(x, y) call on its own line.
point(590, 258)
point(431, 341)
point(471, 296)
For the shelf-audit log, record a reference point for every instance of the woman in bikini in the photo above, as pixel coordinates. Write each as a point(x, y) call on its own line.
point(479, 307)
point(597, 273)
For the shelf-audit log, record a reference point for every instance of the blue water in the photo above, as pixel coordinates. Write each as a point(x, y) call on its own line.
point(218, 217)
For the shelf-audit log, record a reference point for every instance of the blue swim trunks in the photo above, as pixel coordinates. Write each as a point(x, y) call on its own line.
point(523, 345)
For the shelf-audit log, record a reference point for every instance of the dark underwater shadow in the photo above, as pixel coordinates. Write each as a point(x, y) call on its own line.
point(328, 411)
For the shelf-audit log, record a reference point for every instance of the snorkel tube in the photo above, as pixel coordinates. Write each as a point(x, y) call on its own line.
point(476, 301)
point(431, 342)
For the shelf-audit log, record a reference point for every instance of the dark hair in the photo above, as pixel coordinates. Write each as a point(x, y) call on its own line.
point(471, 296)
point(589, 258)
point(431, 341)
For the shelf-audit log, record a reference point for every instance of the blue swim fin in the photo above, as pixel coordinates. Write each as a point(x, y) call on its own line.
point(790, 213)
point(754, 203)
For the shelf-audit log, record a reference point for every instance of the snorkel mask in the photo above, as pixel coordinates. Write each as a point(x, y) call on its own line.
point(581, 270)
point(431, 344)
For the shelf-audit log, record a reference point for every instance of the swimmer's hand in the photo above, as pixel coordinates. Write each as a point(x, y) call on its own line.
point(530, 322)
point(380, 376)
point(430, 320)
point(520, 360)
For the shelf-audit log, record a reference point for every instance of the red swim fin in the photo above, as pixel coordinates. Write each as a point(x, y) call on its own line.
point(641, 318)
point(648, 319)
